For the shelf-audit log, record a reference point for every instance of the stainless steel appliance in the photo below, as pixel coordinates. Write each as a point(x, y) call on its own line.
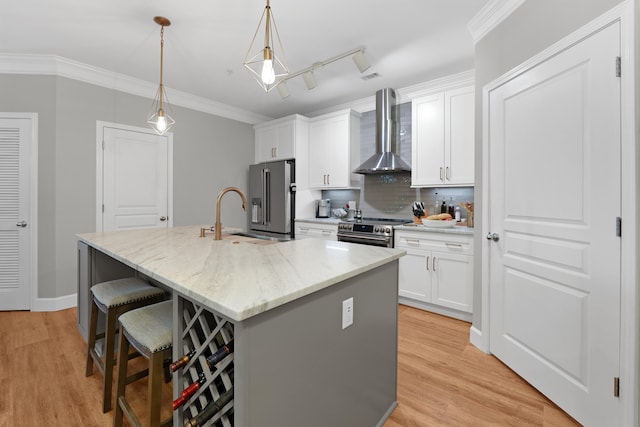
point(386, 158)
point(272, 200)
point(369, 231)
point(323, 208)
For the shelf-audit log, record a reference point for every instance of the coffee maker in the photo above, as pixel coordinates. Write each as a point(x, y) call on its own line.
point(323, 208)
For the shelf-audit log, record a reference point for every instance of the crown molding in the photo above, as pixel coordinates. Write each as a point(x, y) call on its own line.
point(492, 14)
point(406, 94)
point(63, 67)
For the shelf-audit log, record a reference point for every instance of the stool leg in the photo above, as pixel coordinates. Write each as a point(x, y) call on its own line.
point(155, 388)
point(109, 338)
point(91, 340)
point(123, 357)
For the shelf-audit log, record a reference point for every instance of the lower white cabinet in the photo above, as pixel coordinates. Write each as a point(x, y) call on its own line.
point(437, 272)
point(317, 230)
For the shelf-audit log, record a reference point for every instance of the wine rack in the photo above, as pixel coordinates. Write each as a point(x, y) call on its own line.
point(204, 333)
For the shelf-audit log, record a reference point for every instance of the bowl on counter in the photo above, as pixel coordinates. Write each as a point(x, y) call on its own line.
point(438, 223)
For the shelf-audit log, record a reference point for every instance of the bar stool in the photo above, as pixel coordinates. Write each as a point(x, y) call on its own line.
point(114, 298)
point(150, 331)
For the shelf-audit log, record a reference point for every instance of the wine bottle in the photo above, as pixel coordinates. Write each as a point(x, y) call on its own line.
point(210, 410)
point(182, 361)
point(189, 391)
point(222, 352)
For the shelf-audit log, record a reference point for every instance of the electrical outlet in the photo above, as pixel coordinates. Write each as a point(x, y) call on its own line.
point(347, 313)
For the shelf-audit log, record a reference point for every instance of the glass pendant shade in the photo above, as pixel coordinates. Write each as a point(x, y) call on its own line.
point(266, 63)
point(159, 119)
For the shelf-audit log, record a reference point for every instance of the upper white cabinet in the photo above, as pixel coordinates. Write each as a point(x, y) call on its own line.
point(334, 150)
point(281, 139)
point(443, 139)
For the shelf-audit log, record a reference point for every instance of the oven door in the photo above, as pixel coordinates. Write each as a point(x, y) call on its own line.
point(386, 242)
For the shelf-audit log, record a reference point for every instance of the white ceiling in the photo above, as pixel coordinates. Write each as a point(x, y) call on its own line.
point(407, 42)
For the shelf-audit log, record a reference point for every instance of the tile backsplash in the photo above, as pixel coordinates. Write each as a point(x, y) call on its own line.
point(391, 195)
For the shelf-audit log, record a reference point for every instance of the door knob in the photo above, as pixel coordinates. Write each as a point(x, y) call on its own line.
point(493, 236)
point(163, 218)
point(21, 224)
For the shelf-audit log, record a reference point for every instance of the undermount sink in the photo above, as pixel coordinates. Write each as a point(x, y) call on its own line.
point(261, 237)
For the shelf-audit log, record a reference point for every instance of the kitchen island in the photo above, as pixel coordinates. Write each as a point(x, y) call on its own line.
point(281, 303)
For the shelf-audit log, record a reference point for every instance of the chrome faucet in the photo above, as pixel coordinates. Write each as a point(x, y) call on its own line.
point(218, 226)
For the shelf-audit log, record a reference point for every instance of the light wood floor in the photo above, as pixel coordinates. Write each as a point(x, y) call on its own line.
point(442, 379)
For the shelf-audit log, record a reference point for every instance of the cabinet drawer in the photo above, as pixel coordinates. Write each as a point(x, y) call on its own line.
point(448, 243)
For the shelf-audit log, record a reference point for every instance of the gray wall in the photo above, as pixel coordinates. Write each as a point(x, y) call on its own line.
point(210, 153)
point(533, 27)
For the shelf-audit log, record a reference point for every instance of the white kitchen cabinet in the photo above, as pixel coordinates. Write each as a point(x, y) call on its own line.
point(281, 139)
point(442, 139)
point(317, 230)
point(437, 272)
point(334, 150)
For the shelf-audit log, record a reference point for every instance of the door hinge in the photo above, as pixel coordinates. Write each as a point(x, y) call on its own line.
point(618, 66)
point(618, 226)
point(616, 387)
point(102, 208)
point(103, 145)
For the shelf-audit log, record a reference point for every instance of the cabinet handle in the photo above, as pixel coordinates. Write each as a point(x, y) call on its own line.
point(427, 263)
point(328, 183)
point(433, 263)
point(453, 245)
point(275, 151)
point(447, 175)
point(441, 178)
point(326, 232)
point(413, 241)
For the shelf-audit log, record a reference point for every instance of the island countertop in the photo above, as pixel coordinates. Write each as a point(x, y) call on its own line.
point(234, 276)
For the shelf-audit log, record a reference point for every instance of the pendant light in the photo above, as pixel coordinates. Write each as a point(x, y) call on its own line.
point(267, 65)
point(159, 119)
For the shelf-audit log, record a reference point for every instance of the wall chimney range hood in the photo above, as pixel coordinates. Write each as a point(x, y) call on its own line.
point(386, 159)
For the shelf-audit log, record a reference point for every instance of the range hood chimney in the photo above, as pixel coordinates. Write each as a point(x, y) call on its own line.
point(385, 160)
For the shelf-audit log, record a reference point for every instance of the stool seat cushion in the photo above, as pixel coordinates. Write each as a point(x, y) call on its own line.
point(123, 291)
point(150, 326)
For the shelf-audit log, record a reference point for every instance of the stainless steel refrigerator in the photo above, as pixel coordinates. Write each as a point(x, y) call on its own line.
point(272, 192)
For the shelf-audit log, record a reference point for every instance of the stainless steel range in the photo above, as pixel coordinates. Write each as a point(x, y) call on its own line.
point(369, 231)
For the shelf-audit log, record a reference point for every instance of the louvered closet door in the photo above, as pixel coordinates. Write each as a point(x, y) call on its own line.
point(15, 147)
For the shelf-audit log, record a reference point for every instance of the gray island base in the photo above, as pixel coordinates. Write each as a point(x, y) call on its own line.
point(293, 363)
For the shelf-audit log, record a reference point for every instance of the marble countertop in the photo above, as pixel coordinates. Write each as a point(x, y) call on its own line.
point(458, 229)
point(238, 277)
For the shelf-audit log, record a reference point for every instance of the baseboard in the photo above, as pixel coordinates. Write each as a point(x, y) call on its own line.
point(55, 304)
point(475, 337)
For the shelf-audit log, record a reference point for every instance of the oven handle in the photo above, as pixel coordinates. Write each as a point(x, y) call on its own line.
point(382, 241)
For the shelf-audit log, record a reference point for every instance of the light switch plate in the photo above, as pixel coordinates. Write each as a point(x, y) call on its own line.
point(347, 313)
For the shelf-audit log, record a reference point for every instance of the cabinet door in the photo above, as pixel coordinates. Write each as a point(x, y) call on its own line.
point(319, 156)
point(338, 147)
point(266, 141)
point(414, 278)
point(427, 154)
point(459, 136)
point(285, 142)
point(275, 142)
point(452, 284)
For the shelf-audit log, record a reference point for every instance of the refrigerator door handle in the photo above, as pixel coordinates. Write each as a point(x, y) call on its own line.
point(266, 196)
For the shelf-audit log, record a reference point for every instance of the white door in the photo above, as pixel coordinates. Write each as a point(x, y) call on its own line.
point(16, 138)
point(554, 184)
point(135, 183)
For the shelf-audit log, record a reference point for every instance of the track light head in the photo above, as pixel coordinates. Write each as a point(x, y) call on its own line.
point(309, 80)
point(360, 61)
